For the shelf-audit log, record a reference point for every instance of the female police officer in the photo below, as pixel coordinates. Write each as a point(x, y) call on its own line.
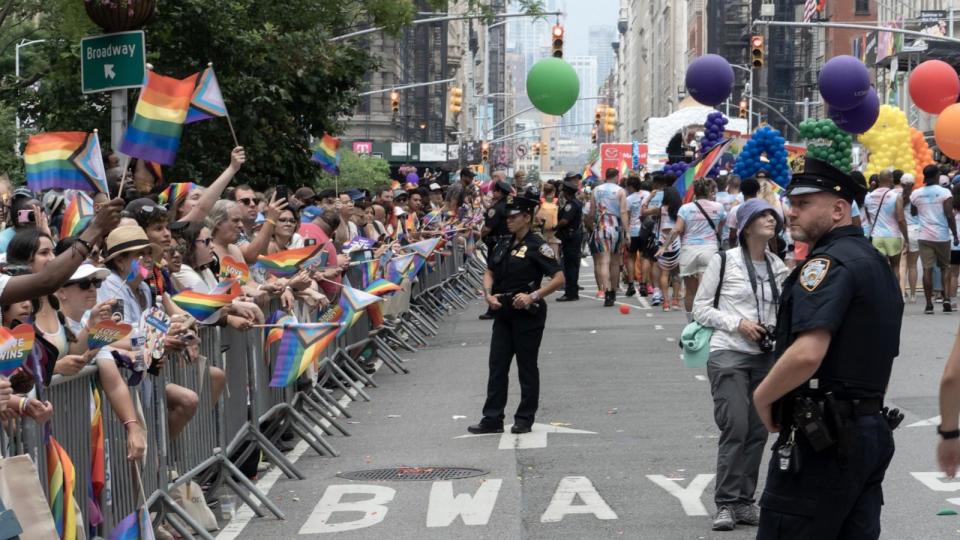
point(515, 268)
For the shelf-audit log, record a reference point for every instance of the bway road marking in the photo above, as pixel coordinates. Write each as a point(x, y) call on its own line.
point(535, 439)
point(935, 481)
point(689, 496)
point(569, 488)
point(932, 421)
point(700, 377)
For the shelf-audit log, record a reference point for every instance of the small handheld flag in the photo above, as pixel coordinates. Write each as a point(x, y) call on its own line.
point(207, 101)
point(231, 268)
point(288, 262)
point(137, 270)
point(61, 478)
point(352, 302)
point(424, 248)
point(65, 160)
point(175, 192)
point(300, 346)
point(205, 307)
point(327, 154)
point(107, 332)
point(77, 215)
point(154, 133)
point(15, 345)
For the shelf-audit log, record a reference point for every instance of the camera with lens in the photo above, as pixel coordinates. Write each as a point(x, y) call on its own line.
point(766, 339)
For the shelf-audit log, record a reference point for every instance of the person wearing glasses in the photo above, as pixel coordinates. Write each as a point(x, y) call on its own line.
point(255, 243)
point(285, 234)
point(195, 206)
point(78, 304)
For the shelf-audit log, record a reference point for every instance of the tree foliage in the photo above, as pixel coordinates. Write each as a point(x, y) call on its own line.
point(357, 171)
point(284, 81)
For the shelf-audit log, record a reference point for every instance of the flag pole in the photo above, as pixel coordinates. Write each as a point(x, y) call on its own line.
point(123, 176)
point(232, 132)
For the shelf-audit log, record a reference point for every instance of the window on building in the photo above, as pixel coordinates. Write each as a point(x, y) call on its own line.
point(862, 7)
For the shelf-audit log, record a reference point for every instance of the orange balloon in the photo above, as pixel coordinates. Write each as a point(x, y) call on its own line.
point(947, 131)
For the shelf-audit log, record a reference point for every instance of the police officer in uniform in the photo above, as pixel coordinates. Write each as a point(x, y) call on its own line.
point(495, 224)
point(838, 331)
point(512, 285)
point(570, 233)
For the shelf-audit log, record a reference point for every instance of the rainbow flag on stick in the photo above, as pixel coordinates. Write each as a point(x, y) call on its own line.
point(136, 526)
point(424, 248)
point(288, 262)
point(327, 154)
point(65, 160)
point(398, 267)
point(353, 302)
point(154, 133)
point(700, 169)
point(77, 215)
point(300, 346)
point(61, 478)
point(206, 307)
point(175, 192)
point(207, 101)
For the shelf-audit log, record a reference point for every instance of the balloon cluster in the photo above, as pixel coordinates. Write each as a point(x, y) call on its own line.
point(769, 141)
point(845, 86)
point(922, 154)
point(827, 142)
point(713, 130)
point(888, 142)
point(709, 79)
point(676, 169)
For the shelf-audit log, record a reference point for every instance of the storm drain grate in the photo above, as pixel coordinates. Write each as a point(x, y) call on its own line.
point(413, 474)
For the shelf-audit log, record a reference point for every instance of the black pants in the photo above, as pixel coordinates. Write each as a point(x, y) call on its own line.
point(517, 334)
point(827, 499)
point(570, 254)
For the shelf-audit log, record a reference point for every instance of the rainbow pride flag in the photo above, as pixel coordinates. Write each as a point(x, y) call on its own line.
point(175, 192)
point(206, 307)
point(207, 101)
point(154, 133)
point(77, 215)
point(700, 169)
point(327, 154)
point(424, 248)
point(98, 475)
point(231, 268)
point(288, 262)
point(353, 302)
point(61, 478)
point(398, 267)
point(381, 287)
point(415, 266)
point(624, 168)
point(275, 334)
point(65, 160)
point(136, 526)
point(137, 270)
point(300, 346)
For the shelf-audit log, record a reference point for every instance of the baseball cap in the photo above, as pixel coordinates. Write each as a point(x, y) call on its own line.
point(310, 213)
point(87, 270)
point(305, 194)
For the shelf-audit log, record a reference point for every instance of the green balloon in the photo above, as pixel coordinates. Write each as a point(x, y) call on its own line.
point(553, 86)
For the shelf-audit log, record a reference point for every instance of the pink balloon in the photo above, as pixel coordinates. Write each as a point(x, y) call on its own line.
point(934, 86)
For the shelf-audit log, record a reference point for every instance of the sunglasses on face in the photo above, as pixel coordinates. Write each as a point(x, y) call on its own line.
point(247, 201)
point(87, 283)
point(152, 210)
point(205, 241)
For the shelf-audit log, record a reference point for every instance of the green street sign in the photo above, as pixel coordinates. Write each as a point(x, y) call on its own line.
point(113, 61)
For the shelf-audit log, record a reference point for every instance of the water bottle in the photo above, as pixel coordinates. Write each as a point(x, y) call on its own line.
point(228, 506)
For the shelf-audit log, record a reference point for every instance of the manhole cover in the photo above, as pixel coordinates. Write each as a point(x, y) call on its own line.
point(413, 474)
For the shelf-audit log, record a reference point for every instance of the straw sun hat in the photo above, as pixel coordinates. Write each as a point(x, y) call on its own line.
point(127, 238)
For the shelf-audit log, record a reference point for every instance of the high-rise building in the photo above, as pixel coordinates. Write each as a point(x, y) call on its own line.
point(599, 45)
point(582, 111)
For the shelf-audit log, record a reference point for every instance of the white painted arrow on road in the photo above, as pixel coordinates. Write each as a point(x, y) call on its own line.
point(108, 71)
point(537, 438)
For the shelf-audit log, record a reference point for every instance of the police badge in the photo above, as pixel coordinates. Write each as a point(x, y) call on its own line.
point(547, 251)
point(813, 272)
point(491, 213)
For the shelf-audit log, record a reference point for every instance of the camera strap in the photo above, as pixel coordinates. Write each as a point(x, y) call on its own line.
point(752, 273)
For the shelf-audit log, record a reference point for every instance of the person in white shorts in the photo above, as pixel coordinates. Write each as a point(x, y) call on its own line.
point(912, 247)
point(884, 222)
point(698, 225)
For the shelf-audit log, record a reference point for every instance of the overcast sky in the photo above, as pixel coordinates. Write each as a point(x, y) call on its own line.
point(581, 15)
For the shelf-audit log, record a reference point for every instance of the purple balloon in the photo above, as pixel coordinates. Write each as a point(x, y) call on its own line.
point(709, 79)
point(412, 178)
point(860, 118)
point(844, 82)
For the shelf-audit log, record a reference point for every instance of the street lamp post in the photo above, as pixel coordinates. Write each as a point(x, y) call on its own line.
point(16, 69)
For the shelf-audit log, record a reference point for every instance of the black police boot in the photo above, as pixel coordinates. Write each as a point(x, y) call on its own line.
point(566, 298)
point(631, 290)
point(483, 429)
point(517, 429)
point(609, 298)
point(486, 316)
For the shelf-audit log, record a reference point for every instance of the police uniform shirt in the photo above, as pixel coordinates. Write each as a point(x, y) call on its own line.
point(572, 211)
point(515, 267)
point(846, 287)
point(496, 219)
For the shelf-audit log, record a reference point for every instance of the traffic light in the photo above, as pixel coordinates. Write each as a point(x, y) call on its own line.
point(536, 149)
point(743, 108)
point(610, 122)
point(597, 116)
point(756, 51)
point(593, 135)
point(543, 149)
point(557, 44)
point(485, 151)
point(456, 100)
point(395, 102)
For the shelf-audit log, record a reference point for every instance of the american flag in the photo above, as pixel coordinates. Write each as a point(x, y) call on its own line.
point(809, 9)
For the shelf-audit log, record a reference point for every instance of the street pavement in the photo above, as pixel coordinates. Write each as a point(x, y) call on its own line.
point(629, 449)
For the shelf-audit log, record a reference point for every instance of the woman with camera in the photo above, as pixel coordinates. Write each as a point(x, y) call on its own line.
point(738, 298)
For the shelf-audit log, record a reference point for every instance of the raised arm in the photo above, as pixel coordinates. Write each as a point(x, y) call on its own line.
point(212, 194)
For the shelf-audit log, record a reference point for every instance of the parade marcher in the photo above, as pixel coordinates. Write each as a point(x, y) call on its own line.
point(495, 224)
point(570, 234)
point(512, 286)
point(738, 299)
point(634, 200)
point(838, 331)
point(885, 224)
point(933, 206)
point(698, 227)
point(608, 221)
